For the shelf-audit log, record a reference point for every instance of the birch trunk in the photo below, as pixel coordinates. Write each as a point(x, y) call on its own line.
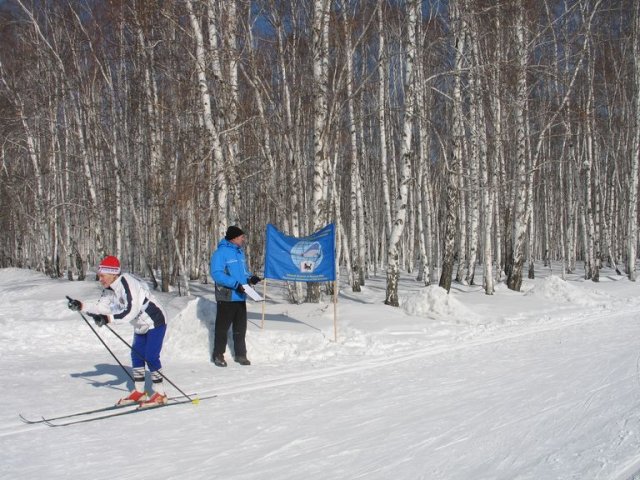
point(360, 207)
point(423, 200)
point(400, 210)
point(632, 205)
point(591, 267)
point(478, 178)
point(319, 201)
point(422, 211)
point(354, 160)
point(457, 135)
point(229, 108)
point(213, 138)
point(292, 154)
point(382, 122)
point(463, 221)
point(497, 160)
point(479, 162)
point(514, 281)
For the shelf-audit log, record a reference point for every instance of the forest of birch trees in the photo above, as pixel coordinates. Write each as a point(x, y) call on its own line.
point(467, 141)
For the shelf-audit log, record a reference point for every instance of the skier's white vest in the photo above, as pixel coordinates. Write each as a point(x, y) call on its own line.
point(126, 299)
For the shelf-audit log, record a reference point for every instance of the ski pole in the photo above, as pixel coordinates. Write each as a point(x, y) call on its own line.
point(192, 400)
point(105, 346)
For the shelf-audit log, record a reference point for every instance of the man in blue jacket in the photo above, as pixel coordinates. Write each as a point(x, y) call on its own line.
point(229, 270)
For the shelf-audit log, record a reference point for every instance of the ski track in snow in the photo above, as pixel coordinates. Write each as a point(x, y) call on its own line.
point(376, 363)
point(539, 399)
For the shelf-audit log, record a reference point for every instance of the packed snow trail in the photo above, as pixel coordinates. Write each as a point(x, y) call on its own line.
point(522, 407)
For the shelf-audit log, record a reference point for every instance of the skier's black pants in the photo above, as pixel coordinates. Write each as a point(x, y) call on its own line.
point(228, 314)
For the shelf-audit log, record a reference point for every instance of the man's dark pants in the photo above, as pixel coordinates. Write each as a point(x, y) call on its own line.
point(231, 314)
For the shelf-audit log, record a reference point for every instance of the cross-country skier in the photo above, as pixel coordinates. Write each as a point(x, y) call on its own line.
point(125, 298)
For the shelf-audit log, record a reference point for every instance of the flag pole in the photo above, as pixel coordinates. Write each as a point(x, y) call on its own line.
point(335, 310)
point(264, 299)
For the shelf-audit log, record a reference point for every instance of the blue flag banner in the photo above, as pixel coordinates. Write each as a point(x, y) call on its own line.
point(307, 259)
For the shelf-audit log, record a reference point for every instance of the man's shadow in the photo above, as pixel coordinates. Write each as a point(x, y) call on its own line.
point(206, 313)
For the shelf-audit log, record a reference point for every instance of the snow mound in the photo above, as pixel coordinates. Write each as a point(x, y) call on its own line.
point(11, 275)
point(190, 336)
point(190, 329)
point(435, 302)
point(554, 288)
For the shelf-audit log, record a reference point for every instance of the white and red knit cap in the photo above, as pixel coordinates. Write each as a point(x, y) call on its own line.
point(110, 265)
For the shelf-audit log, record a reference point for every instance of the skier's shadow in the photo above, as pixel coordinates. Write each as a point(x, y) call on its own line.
point(115, 376)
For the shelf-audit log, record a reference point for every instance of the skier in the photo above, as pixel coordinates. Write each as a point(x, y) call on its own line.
point(126, 298)
point(229, 270)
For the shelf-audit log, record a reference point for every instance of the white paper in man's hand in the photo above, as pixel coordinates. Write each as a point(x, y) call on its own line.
point(248, 289)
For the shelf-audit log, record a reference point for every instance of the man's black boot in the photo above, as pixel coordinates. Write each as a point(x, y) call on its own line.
point(219, 361)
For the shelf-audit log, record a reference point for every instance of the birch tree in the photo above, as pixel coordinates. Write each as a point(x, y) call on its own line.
point(514, 281)
point(401, 206)
point(457, 134)
point(632, 205)
point(213, 139)
point(354, 158)
point(319, 201)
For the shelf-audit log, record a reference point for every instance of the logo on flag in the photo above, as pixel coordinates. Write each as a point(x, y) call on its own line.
point(308, 259)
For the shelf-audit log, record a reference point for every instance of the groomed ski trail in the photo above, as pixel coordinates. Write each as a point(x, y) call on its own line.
point(548, 325)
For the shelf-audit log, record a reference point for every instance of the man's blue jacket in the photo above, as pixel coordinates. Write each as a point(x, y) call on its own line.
point(229, 270)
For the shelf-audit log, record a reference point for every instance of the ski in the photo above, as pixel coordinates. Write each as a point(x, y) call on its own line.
point(71, 415)
point(55, 423)
point(85, 412)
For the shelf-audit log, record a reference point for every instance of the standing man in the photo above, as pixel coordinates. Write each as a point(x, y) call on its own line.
point(229, 271)
point(125, 298)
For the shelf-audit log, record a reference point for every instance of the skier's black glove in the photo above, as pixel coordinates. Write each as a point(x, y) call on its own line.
point(254, 279)
point(239, 288)
point(74, 305)
point(101, 320)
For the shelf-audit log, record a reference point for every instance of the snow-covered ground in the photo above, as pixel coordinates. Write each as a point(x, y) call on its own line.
point(541, 384)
